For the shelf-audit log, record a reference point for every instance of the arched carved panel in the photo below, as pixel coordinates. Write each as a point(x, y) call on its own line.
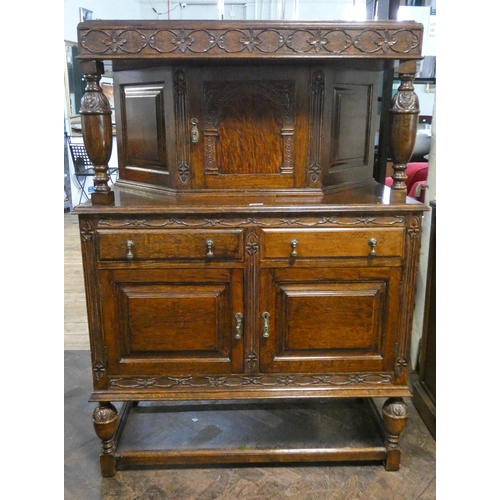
point(249, 127)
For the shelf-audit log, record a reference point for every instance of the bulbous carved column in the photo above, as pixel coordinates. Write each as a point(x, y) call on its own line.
point(394, 415)
point(404, 125)
point(105, 419)
point(97, 130)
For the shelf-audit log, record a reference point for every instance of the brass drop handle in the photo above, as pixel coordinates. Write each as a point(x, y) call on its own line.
point(294, 243)
point(210, 249)
point(130, 246)
point(373, 243)
point(265, 325)
point(239, 326)
point(195, 134)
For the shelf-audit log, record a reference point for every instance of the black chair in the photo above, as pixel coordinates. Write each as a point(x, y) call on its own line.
point(84, 167)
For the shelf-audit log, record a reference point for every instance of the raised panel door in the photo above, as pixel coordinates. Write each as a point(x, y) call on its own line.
point(163, 322)
point(323, 320)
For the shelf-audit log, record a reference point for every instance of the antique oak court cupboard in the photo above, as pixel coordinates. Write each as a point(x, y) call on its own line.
point(246, 252)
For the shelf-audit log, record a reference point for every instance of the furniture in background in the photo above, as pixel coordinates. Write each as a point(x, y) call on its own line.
point(424, 393)
point(246, 252)
point(416, 180)
point(84, 167)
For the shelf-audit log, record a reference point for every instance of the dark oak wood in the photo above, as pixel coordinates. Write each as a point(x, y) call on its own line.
point(248, 253)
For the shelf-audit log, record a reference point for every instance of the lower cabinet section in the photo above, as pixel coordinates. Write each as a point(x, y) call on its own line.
point(249, 311)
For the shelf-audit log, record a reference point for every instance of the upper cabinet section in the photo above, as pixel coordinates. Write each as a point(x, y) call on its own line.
point(248, 39)
point(214, 106)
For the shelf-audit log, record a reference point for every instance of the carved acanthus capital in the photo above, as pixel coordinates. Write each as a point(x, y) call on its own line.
point(95, 103)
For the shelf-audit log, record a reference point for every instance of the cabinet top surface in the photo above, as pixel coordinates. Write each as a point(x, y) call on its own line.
point(369, 197)
point(195, 39)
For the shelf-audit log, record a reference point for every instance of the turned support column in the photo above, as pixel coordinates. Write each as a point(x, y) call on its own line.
point(97, 130)
point(394, 415)
point(105, 419)
point(403, 128)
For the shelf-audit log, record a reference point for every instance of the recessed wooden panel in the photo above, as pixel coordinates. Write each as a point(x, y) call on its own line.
point(143, 111)
point(172, 321)
point(249, 127)
point(175, 318)
point(331, 317)
point(351, 119)
point(249, 137)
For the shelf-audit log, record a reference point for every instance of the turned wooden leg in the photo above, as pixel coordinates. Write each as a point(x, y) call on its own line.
point(105, 419)
point(394, 415)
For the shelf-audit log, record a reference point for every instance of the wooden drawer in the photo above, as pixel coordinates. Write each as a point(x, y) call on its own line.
point(317, 243)
point(170, 244)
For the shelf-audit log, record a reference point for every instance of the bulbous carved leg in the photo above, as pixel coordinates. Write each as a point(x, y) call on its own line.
point(394, 415)
point(105, 419)
point(404, 124)
point(97, 130)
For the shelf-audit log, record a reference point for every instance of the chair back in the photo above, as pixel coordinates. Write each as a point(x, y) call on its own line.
point(81, 160)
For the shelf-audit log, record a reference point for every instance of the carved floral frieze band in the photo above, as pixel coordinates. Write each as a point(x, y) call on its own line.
point(255, 41)
point(252, 221)
point(328, 380)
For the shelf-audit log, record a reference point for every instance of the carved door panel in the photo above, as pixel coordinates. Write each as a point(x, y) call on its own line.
point(172, 321)
point(252, 125)
point(323, 320)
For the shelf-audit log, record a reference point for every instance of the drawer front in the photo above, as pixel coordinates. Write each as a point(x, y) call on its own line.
point(155, 245)
point(317, 243)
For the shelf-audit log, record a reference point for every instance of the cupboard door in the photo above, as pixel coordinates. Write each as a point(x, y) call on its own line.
point(172, 321)
point(325, 320)
point(252, 125)
point(145, 132)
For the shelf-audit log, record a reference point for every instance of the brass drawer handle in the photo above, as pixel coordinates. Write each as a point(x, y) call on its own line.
point(130, 246)
point(294, 243)
point(239, 326)
point(265, 325)
point(195, 134)
point(210, 249)
point(373, 243)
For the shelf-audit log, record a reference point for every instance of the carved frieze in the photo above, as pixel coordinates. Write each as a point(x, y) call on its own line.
point(324, 221)
point(236, 381)
point(157, 39)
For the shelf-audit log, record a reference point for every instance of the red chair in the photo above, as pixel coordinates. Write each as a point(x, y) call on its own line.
point(416, 180)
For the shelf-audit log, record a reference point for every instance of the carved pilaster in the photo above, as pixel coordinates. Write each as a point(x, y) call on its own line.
point(181, 120)
point(97, 130)
point(404, 124)
point(97, 346)
point(317, 97)
point(105, 419)
point(251, 313)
